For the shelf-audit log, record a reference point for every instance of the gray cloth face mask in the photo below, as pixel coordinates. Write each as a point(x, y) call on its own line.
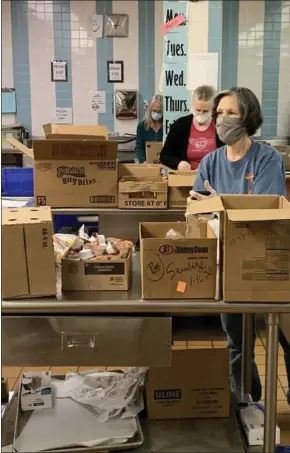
point(229, 129)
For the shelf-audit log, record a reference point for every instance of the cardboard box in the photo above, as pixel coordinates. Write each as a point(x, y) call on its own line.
point(142, 187)
point(179, 185)
point(195, 386)
point(176, 268)
point(36, 392)
point(285, 151)
point(74, 173)
point(64, 131)
point(252, 419)
point(255, 233)
point(28, 268)
point(153, 150)
point(96, 275)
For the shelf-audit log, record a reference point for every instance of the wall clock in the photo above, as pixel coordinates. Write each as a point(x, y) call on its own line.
point(117, 25)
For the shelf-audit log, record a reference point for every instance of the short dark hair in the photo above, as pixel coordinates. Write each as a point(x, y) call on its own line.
point(249, 107)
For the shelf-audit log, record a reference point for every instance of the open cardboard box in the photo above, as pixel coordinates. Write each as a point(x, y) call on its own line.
point(255, 234)
point(285, 151)
point(179, 185)
point(142, 187)
point(28, 268)
point(64, 131)
point(73, 173)
point(177, 268)
point(153, 150)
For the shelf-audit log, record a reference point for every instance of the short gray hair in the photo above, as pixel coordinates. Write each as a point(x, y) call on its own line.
point(204, 93)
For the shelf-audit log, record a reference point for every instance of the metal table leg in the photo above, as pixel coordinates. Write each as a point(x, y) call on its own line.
point(271, 382)
point(247, 357)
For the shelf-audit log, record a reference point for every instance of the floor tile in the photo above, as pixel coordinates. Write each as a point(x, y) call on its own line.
point(180, 343)
point(36, 368)
point(92, 367)
point(285, 437)
point(259, 349)
point(280, 394)
point(179, 347)
point(61, 371)
point(201, 344)
point(284, 381)
point(200, 347)
point(11, 371)
point(283, 421)
point(283, 408)
point(261, 359)
point(11, 383)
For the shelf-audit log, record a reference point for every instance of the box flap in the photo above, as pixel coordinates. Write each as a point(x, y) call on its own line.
point(255, 215)
point(142, 185)
point(139, 170)
point(53, 130)
point(58, 149)
point(210, 204)
point(18, 145)
point(181, 179)
point(23, 216)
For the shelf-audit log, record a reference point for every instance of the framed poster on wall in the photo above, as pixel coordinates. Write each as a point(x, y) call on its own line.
point(115, 70)
point(58, 71)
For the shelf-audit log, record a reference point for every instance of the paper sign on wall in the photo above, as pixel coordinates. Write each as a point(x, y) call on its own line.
point(97, 25)
point(63, 115)
point(202, 70)
point(98, 101)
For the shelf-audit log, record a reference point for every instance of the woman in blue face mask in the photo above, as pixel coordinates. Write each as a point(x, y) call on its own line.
point(150, 129)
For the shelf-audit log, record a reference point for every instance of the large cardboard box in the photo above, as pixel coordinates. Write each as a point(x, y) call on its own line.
point(142, 187)
point(176, 268)
point(64, 131)
point(96, 275)
point(179, 185)
point(75, 173)
point(195, 386)
point(255, 233)
point(285, 151)
point(153, 150)
point(28, 268)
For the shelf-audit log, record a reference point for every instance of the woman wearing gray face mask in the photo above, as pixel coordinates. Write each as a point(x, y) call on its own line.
point(243, 166)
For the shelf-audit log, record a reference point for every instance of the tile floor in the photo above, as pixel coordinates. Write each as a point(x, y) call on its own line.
point(283, 409)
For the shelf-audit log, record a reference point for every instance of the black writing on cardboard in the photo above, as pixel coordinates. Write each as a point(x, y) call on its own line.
point(44, 234)
point(167, 394)
point(170, 16)
point(106, 165)
point(102, 199)
point(173, 79)
point(145, 203)
point(78, 182)
point(156, 270)
point(175, 50)
point(41, 200)
point(176, 105)
point(63, 150)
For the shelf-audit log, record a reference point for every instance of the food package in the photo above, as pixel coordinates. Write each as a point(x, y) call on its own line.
point(62, 243)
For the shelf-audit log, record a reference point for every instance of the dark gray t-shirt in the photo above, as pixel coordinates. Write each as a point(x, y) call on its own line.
point(260, 171)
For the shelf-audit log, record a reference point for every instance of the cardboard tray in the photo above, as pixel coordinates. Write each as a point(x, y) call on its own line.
point(23, 417)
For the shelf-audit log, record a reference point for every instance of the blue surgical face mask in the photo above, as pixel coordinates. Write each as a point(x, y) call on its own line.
point(156, 116)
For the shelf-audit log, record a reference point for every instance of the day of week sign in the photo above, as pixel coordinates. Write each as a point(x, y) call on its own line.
point(176, 95)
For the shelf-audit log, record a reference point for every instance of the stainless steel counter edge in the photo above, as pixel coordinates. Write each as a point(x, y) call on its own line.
point(38, 306)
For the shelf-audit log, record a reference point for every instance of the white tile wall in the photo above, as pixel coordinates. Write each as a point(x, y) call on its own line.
point(42, 90)
point(7, 64)
point(159, 6)
point(284, 74)
point(128, 53)
point(83, 61)
point(251, 34)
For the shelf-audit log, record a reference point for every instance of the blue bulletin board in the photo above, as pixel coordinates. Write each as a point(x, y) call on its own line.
point(8, 99)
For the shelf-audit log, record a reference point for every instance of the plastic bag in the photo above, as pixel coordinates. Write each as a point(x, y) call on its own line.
point(62, 243)
point(173, 234)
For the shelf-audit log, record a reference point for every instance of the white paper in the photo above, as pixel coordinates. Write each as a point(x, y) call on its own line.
point(63, 115)
point(98, 101)
point(202, 69)
point(59, 69)
point(97, 25)
point(115, 72)
point(13, 204)
point(71, 424)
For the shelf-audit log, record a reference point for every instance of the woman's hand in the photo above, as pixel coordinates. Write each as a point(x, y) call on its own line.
point(184, 166)
point(199, 196)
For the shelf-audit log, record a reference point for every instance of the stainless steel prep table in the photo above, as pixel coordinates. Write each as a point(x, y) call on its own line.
point(74, 320)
